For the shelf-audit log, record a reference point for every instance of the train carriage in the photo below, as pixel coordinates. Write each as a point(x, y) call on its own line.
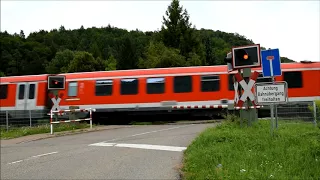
point(146, 90)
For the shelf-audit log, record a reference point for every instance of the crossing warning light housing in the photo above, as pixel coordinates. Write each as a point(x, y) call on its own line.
point(56, 82)
point(246, 56)
point(228, 61)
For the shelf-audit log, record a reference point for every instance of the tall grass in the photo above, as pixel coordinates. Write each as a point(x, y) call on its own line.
point(24, 131)
point(233, 152)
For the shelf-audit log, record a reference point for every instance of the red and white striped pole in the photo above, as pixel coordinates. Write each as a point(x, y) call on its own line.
point(199, 106)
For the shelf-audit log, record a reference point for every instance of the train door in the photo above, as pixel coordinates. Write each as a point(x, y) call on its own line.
point(26, 98)
point(31, 96)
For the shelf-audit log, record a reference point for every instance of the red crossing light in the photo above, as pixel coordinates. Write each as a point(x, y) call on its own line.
point(56, 82)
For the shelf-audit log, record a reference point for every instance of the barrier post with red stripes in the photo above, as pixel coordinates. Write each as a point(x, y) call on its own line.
point(67, 121)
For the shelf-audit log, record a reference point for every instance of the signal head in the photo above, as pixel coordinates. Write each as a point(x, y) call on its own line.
point(241, 54)
point(228, 58)
point(56, 82)
point(228, 61)
point(246, 56)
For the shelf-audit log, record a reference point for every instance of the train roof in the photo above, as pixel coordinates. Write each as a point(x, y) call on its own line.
point(219, 69)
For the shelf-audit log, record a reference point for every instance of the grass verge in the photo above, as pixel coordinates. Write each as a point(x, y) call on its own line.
point(231, 152)
point(24, 131)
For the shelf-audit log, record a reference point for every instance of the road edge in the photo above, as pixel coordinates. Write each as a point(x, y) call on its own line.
point(36, 137)
point(180, 171)
point(180, 166)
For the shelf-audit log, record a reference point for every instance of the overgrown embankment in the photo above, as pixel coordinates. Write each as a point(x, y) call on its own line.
point(231, 152)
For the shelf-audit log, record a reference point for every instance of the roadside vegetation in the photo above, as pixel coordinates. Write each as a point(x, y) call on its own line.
point(311, 108)
point(41, 129)
point(229, 151)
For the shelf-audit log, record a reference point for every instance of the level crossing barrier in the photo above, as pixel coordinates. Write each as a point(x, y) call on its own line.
point(60, 112)
point(199, 106)
point(248, 107)
point(214, 107)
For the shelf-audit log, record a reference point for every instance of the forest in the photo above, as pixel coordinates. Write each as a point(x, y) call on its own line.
point(177, 44)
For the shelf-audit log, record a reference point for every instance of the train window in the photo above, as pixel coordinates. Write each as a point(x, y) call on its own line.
point(103, 87)
point(31, 91)
point(210, 83)
point(263, 79)
point(230, 84)
point(4, 91)
point(21, 91)
point(293, 79)
point(73, 89)
point(129, 86)
point(182, 84)
point(155, 85)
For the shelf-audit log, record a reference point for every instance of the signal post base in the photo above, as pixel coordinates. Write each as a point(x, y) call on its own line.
point(251, 114)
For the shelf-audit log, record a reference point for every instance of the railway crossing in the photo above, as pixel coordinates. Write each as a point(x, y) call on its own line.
point(243, 59)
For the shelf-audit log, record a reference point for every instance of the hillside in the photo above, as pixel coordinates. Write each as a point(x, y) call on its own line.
point(110, 48)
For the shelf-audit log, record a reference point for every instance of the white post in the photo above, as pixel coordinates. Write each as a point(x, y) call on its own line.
point(7, 120)
point(30, 117)
point(272, 117)
point(51, 125)
point(90, 118)
point(315, 113)
point(273, 104)
point(276, 114)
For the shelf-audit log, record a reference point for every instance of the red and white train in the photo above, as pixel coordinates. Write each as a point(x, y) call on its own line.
point(142, 90)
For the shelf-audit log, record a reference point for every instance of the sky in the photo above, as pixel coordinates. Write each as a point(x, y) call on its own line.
point(291, 26)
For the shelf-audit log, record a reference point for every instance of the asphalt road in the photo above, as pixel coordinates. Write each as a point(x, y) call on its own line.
point(136, 152)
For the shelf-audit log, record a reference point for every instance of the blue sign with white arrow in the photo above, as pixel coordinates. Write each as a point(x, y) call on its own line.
point(271, 63)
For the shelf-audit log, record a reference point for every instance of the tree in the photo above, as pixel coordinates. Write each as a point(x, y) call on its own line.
point(286, 60)
point(177, 30)
point(22, 34)
point(60, 62)
point(83, 62)
point(94, 50)
point(62, 29)
point(171, 28)
point(127, 54)
point(159, 56)
point(6, 61)
point(111, 64)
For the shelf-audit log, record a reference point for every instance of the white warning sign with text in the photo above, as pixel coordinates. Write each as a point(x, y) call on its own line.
point(267, 93)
